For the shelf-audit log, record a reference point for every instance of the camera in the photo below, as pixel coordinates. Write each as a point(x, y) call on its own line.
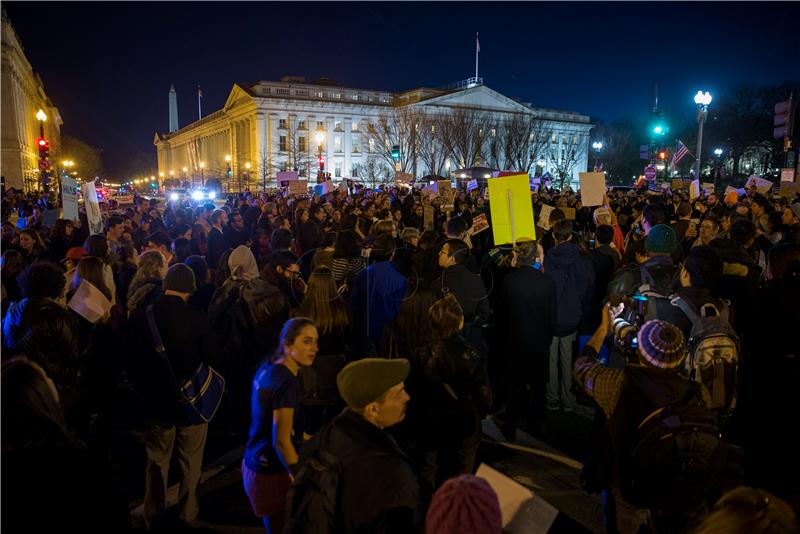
point(626, 326)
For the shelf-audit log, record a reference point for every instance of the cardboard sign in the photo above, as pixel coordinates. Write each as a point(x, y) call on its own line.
point(427, 216)
point(544, 216)
point(283, 176)
point(762, 186)
point(520, 509)
point(89, 302)
point(479, 224)
point(593, 188)
point(694, 189)
point(472, 184)
point(444, 188)
point(679, 184)
point(569, 213)
point(92, 207)
point(69, 198)
point(787, 175)
point(512, 214)
point(708, 187)
point(123, 199)
point(789, 190)
point(298, 187)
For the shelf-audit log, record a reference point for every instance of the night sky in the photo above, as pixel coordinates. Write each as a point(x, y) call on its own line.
point(108, 66)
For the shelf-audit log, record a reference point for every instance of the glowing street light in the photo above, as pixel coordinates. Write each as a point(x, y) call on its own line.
point(718, 152)
point(320, 137)
point(597, 145)
point(702, 100)
point(41, 116)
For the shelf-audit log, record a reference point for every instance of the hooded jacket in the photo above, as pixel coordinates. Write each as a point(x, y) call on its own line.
point(573, 275)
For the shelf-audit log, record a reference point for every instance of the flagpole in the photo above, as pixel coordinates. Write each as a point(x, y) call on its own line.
point(477, 50)
point(199, 111)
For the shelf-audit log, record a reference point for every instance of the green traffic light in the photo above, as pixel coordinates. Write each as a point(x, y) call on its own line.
point(658, 130)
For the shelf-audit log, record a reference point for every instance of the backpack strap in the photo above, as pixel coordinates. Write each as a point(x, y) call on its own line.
point(687, 310)
point(647, 278)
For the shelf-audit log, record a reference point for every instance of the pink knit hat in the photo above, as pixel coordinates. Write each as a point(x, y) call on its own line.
point(464, 505)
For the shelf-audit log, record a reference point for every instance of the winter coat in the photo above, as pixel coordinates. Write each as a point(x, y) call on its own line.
point(627, 280)
point(573, 275)
point(143, 294)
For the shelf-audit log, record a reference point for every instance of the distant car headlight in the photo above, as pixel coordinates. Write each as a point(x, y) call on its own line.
point(212, 195)
point(197, 195)
point(174, 197)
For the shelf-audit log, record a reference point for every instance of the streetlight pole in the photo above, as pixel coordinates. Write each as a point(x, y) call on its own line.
point(718, 154)
point(202, 174)
point(228, 162)
point(597, 146)
point(702, 100)
point(41, 116)
point(320, 137)
point(247, 175)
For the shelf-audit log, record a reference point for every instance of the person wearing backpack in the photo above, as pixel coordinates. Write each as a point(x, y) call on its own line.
point(353, 478)
point(574, 276)
point(666, 453)
point(270, 455)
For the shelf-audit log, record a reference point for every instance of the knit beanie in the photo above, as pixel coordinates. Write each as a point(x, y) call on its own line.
point(364, 381)
point(661, 240)
point(179, 278)
point(661, 344)
point(464, 505)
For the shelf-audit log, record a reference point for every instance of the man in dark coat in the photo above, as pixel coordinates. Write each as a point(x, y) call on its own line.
point(188, 341)
point(216, 243)
point(468, 288)
point(531, 312)
point(311, 237)
point(378, 491)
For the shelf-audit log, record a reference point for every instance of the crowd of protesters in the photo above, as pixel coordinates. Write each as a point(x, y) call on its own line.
point(376, 328)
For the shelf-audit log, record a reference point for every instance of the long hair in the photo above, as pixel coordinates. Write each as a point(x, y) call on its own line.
point(91, 270)
point(445, 316)
point(323, 304)
point(751, 510)
point(38, 243)
point(97, 246)
point(32, 415)
point(291, 329)
point(12, 263)
point(150, 264)
point(59, 230)
point(411, 328)
point(346, 245)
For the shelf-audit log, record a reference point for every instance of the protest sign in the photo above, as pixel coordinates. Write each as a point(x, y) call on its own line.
point(123, 199)
point(286, 175)
point(324, 188)
point(694, 189)
point(787, 175)
point(512, 214)
point(708, 187)
point(593, 188)
point(679, 184)
point(472, 184)
point(569, 213)
point(89, 302)
point(479, 224)
point(92, 207)
point(544, 216)
point(298, 187)
point(789, 190)
point(761, 185)
point(69, 198)
point(444, 188)
point(520, 509)
point(427, 216)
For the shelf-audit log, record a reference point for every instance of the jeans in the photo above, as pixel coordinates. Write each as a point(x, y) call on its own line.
point(159, 441)
point(561, 356)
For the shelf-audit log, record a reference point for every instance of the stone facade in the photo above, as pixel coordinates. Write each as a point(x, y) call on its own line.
point(271, 126)
point(22, 96)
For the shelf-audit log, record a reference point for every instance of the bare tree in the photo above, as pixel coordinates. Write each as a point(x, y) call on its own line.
point(565, 155)
point(400, 127)
point(433, 143)
point(295, 145)
point(497, 142)
point(527, 140)
point(467, 131)
point(373, 171)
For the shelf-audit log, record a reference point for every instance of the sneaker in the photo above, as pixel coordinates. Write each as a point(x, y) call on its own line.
point(552, 406)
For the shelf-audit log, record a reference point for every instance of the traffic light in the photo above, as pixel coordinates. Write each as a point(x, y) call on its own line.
point(662, 155)
point(659, 128)
point(396, 152)
point(44, 147)
point(784, 119)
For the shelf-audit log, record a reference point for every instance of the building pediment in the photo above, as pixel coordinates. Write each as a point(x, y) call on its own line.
point(239, 95)
point(479, 97)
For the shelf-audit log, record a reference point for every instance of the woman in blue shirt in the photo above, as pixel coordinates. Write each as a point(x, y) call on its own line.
point(270, 455)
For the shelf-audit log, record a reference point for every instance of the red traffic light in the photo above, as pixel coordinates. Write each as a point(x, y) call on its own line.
point(662, 155)
point(42, 142)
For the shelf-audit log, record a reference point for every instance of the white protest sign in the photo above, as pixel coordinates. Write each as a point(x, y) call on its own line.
point(708, 187)
point(544, 216)
point(69, 198)
point(89, 302)
point(92, 208)
point(593, 188)
point(694, 189)
point(520, 509)
point(472, 184)
point(298, 187)
point(286, 175)
point(787, 175)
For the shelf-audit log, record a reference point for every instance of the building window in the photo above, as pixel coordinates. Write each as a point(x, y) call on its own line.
point(301, 144)
point(301, 92)
point(320, 125)
point(354, 97)
point(354, 172)
point(354, 143)
point(282, 123)
point(337, 169)
point(371, 146)
point(494, 132)
point(337, 96)
point(354, 127)
point(575, 140)
point(282, 143)
point(301, 171)
point(555, 138)
point(301, 125)
point(371, 128)
point(337, 143)
point(320, 94)
point(284, 166)
point(282, 92)
point(337, 126)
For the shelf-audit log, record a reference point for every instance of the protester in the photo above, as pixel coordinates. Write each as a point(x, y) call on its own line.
point(32, 246)
point(12, 266)
point(271, 455)
point(464, 505)
point(145, 287)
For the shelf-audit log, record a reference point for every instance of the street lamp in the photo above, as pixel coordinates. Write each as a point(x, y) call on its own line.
point(320, 137)
point(247, 174)
point(597, 146)
point(202, 174)
point(702, 100)
point(228, 162)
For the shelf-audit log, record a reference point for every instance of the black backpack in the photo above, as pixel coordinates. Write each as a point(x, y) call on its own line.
point(676, 455)
point(313, 497)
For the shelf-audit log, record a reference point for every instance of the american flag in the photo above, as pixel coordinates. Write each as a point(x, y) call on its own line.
point(680, 152)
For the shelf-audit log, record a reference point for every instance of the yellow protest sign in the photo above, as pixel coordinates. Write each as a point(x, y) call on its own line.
point(512, 212)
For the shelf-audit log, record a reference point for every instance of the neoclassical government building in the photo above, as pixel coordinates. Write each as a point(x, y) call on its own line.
point(263, 123)
point(22, 96)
